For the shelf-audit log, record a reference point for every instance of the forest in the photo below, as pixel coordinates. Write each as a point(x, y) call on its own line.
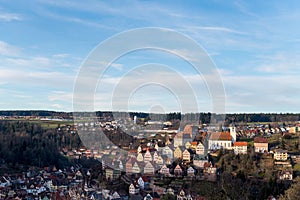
point(24, 143)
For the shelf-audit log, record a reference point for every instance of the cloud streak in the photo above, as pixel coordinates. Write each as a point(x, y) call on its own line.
point(8, 17)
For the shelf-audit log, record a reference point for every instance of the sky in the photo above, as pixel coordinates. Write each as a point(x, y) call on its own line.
point(254, 46)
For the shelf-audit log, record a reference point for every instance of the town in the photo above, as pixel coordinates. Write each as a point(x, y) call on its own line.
point(165, 161)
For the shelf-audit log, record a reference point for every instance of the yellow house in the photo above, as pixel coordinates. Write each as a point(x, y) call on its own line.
point(187, 145)
point(280, 154)
point(140, 157)
point(177, 153)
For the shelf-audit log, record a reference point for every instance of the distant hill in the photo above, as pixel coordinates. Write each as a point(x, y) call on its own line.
point(203, 117)
point(38, 113)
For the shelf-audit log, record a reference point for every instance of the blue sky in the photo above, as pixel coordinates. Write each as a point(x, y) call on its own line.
point(255, 45)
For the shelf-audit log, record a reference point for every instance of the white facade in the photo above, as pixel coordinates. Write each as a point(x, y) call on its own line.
point(133, 189)
point(135, 168)
point(233, 133)
point(148, 156)
point(141, 183)
point(200, 150)
point(218, 144)
point(149, 169)
point(178, 139)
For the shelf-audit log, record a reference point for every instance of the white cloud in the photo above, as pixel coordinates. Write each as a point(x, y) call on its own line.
point(282, 63)
point(62, 55)
point(261, 93)
point(220, 28)
point(35, 79)
point(60, 96)
point(34, 62)
point(10, 17)
point(8, 50)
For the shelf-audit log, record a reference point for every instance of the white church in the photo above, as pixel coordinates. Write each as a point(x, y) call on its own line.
point(225, 140)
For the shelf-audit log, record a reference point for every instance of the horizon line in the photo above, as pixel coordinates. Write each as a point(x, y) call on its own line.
point(206, 112)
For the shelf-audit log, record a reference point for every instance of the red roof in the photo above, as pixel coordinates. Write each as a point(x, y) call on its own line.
point(240, 144)
point(260, 140)
point(220, 136)
point(188, 129)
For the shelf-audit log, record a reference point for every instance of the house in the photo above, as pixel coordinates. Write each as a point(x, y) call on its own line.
point(260, 145)
point(112, 174)
point(148, 156)
point(149, 169)
point(115, 196)
point(285, 175)
point(186, 156)
point(164, 170)
point(178, 171)
point(178, 139)
point(210, 173)
point(294, 129)
point(140, 157)
point(187, 145)
point(167, 151)
point(182, 195)
point(210, 170)
point(143, 182)
point(218, 140)
point(280, 154)
point(199, 161)
point(191, 171)
point(134, 188)
point(200, 150)
point(178, 153)
point(240, 147)
point(136, 168)
point(148, 197)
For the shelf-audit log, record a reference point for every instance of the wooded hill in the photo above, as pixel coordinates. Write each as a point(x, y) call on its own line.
point(202, 117)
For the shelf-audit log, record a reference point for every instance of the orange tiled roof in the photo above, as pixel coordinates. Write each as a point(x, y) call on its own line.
point(132, 151)
point(194, 143)
point(220, 136)
point(260, 140)
point(188, 129)
point(240, 144)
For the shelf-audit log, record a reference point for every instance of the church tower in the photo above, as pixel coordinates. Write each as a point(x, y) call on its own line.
point(233, 133)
